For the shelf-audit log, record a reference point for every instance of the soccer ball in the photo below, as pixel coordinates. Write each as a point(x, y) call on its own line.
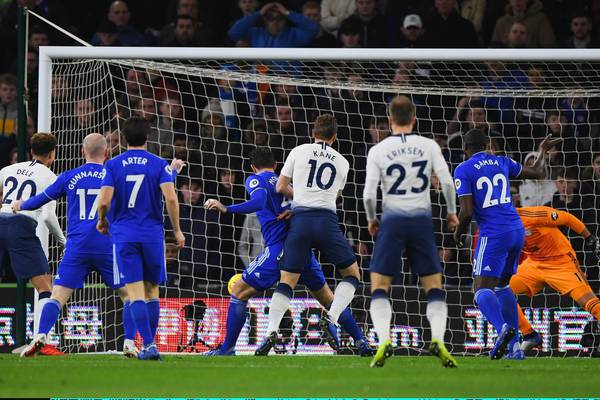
point(232, 281)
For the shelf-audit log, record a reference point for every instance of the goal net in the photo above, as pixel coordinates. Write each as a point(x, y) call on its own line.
point(211, 112)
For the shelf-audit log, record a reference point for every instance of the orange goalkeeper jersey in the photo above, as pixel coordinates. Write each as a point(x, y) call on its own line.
point(543, 238)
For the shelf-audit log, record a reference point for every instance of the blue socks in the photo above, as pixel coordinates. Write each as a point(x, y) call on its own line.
point(139, 311)
point(49, 316)
point(508, 303)
point(488, 303)
point(348, 323)
point(128, 323)
point(153, 314)
point(236, 318)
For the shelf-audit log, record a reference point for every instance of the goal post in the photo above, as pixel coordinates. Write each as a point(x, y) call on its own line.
point(212, 105)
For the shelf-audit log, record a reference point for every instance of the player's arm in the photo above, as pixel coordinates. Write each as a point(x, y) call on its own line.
point(465, 199)
point(53, 192)
point(563, 218)
point(370, 193)
point(283, 185)
point(258, 201)
point(440, 167)
point(51, 221)
point(537, 171)
point(107, 191)
point(172, 203)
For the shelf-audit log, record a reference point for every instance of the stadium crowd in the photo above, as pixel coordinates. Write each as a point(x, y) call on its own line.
point(214, 124)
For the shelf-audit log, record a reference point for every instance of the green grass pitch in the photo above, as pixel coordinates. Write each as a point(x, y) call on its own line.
point(295, 376)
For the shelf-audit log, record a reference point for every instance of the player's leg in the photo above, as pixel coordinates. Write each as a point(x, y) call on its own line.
point(381, 315)
point(153, 305)
point(335, 249)
point(314, 280)
point(527, 281)
point(130, 263)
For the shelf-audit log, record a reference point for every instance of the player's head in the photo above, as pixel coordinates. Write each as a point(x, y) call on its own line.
point(136, 130)
point(402, 113)
point(474, 141)
point(95, 148)
point(262, 158)
point(43, 147)
point(325, 128)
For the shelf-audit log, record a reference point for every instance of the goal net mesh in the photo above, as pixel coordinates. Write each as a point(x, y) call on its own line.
point(213, 113)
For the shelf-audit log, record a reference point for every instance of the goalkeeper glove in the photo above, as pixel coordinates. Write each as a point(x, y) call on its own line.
point(592, 243)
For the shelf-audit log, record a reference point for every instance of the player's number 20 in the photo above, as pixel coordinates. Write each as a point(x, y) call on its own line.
point(498, 179)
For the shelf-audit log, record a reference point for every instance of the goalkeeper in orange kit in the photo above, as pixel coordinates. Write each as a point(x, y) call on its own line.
point(550, 260)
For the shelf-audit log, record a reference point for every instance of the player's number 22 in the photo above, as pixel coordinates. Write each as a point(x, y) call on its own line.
point(490, 185)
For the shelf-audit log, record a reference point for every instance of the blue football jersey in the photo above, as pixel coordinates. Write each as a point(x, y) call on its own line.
point(81, 186)
point(273, 231)
point(486, 177)
point(137, 206)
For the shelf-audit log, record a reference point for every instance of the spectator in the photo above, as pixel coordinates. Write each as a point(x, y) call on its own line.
point(568, 197)
point(118, 14)
point(581, 29)
point(116, 144)
point(187, 30)
point(379, 129)
point(529, 12)
point(534, 192)
point(412, 32)
point(276, 32)
point(247, 7)
point(8, 100)
point(312, 11)
point(107, 34)
point(179, 273)
point(251, 242)
point(350, 33)
point(136, 88)
point(38, 36)
point(333, 12)
point(474, 11)
point(576, 111)
point(445, 28)
point(517, 36)
point(374, 27)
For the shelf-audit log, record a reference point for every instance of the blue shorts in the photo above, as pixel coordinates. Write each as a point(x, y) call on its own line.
point(18, 239)
point(138, 261)
point(397, 233)
point(263, 272)
point(315, 229)
point(498, 256)
point(75, 267)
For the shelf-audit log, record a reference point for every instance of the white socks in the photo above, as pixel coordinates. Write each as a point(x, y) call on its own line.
point(344, 293)
point(279, 305)
point(381, 315)
point(437, 314)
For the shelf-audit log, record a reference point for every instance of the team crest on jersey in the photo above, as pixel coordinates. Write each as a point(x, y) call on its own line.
point(554, 216)
point(169, 170)
point(253, 183)
point(457, 183)
point(527, 232)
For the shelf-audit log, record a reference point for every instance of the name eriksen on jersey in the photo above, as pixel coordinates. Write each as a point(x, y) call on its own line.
point(84, 174)
point(134, 160)
point(405, 151)
point(324, 154)
point(485, 163)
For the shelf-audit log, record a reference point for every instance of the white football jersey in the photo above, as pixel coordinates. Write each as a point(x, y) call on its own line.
point(24, 180)
point(404, 164)
point(318, 173)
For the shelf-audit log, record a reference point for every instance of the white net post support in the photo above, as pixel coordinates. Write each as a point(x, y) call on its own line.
point(215, 136)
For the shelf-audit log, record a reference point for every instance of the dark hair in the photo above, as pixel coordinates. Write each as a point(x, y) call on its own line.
point(8, 79)
point(42, 143)
point(568, 173)
point(38, 29)
point(262, 157)
point(184, 16)
point(475, 139)
point(325, 126)
point(136, 130)
point(402, 110)
point(580, 13)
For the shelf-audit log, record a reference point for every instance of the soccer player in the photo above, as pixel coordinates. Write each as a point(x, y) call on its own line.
point(404, 162)
point(482, 184)
point(550, 260)
point(263, 272)
point(135, 179)
point(319, 174)
point(88, 250)
point(18, 231)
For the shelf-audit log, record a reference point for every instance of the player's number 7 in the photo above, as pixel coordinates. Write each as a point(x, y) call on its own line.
point(82, 208)
point(137, 183)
